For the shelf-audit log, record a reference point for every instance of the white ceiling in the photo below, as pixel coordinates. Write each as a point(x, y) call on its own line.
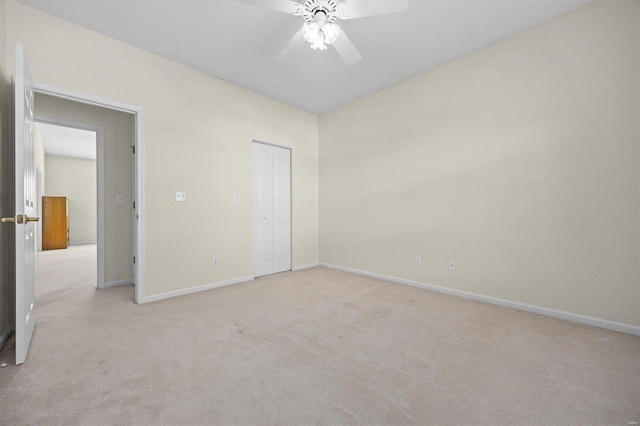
point(238, 42)
point(67, 142)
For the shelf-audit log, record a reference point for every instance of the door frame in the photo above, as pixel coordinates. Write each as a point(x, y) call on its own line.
point(39, 209)
point(100, 221)
point(139, 175)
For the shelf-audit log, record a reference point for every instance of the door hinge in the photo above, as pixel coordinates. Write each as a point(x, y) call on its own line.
point(134, 260)
point(133, 149)
point(134, 205)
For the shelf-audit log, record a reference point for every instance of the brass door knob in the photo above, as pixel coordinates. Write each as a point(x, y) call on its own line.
point(20, 218)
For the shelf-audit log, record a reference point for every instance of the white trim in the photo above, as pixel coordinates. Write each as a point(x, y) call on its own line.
point(83, 243)
point(139, 187)
point(100, 228)
point(197, 289)
point(5, 334)
point(271, 144)
point(101, 247)
point(118, 283)
point(305, 266)
point(38, 225)
point(85, 98)
point(140, 225)
point(567, 316)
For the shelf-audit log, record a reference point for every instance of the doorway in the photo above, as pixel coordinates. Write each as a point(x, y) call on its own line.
point(69, 157)
point(271, 209)
point(96, 211)
point(120, 200)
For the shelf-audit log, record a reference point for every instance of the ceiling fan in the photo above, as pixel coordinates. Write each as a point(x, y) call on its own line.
point(320, 28)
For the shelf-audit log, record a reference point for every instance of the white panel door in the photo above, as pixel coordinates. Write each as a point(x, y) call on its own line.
point(271, 209)
point(262, 209)
point(25, 206)
point(281, 209)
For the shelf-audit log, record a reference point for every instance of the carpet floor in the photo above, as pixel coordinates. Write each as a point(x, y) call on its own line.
point(316, 346)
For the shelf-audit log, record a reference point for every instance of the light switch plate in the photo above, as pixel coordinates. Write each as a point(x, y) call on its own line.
point(119, 199)
point(236, 198)
point(181, 196)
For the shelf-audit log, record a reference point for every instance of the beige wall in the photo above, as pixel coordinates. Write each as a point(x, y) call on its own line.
point(75, 178)
point(118, 136)
point(198, 139)
point(519, 161)
point(6, 172)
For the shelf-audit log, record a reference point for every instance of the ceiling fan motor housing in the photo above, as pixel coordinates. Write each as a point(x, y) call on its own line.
point(327, 6)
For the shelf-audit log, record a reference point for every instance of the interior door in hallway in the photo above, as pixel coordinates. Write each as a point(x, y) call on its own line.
point(271, 209)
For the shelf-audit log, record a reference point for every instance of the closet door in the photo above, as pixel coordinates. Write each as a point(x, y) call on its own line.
point(271, 209)
point(281, 209)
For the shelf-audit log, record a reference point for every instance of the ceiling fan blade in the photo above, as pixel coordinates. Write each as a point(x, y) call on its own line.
point(285, 6)
point(346, 49)
point(296, 41)
point(360, 8)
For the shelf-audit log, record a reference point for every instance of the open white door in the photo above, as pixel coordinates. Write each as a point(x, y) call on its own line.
point(25, 205)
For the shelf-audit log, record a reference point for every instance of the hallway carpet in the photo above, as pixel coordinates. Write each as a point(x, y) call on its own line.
point(317, 346)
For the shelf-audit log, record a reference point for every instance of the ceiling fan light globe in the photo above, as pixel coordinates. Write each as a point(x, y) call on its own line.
point(311, 32)
point(331, 33)
point(319, 45)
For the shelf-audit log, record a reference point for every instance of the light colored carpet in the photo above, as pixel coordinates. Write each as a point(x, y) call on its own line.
point(66, 283)
point(312, 347)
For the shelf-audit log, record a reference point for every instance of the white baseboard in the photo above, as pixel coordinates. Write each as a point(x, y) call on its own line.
point(82, 243)
point(197, 289)
point(118, 283)
point(5, 334)
point(305, 266)
point(567, 316)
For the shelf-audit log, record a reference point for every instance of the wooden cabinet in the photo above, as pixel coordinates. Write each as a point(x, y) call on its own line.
point(55, 223)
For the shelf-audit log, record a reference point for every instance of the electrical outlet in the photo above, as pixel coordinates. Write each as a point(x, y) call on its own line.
point(181, 196)
point(418, 261)
point(215, 261)
point(452, 265)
